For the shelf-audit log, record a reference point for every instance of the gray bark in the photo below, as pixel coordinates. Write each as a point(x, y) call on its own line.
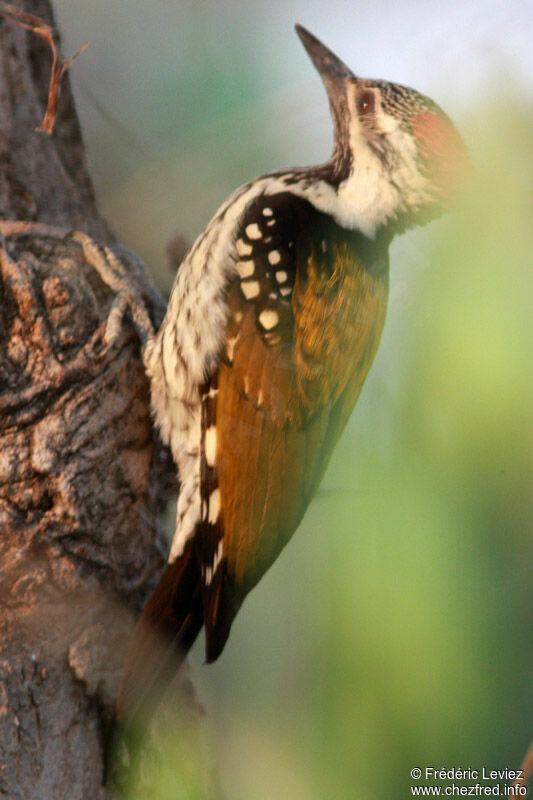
point(82, 478)
point(41, 177)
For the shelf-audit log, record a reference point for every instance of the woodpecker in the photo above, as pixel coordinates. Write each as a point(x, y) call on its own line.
point(272, 325)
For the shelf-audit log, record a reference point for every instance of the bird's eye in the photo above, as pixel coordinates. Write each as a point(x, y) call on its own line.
point(365, 102)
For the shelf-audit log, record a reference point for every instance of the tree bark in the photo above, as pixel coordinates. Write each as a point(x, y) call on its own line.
point(82, 478)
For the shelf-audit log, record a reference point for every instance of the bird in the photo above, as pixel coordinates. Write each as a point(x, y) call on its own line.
point(272, 324)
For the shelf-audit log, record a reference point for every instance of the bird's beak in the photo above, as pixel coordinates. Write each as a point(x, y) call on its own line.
point(335, 76)
point(332, 70)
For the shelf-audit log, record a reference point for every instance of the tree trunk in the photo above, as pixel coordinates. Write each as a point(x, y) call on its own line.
point(82, 479)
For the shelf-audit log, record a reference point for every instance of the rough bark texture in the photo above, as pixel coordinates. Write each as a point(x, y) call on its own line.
point(41, 177)
point(81, 480)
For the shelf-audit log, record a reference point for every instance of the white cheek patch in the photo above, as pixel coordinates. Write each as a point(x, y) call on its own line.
point(377, 190)
point(366, 198)
point(387, 123)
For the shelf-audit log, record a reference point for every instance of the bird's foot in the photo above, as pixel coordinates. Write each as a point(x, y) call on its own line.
point(127, 284)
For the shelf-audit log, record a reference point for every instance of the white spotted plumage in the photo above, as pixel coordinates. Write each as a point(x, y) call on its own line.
point(210, 445)
point(245, 268)
point(243, 248)
point(253, 231)
point(250, 289)
point(269, 319)
point(210, 569)
point(214, 506)
point(189, 341)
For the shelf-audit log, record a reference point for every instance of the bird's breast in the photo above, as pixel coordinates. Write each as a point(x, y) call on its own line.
point(339, 317)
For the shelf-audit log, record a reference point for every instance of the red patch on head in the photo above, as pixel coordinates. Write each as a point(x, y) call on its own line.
point(444, 149)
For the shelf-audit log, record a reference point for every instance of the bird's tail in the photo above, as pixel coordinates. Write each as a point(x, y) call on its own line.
point(162, 638)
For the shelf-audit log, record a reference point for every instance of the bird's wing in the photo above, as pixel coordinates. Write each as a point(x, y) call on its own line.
point(306, 313)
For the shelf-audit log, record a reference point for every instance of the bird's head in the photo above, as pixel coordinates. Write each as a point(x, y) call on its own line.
point(398, 161)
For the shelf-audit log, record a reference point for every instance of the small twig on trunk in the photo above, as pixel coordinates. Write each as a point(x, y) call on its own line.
point(59, 64)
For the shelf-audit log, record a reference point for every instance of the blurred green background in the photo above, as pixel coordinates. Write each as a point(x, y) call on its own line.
point(395, 629)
